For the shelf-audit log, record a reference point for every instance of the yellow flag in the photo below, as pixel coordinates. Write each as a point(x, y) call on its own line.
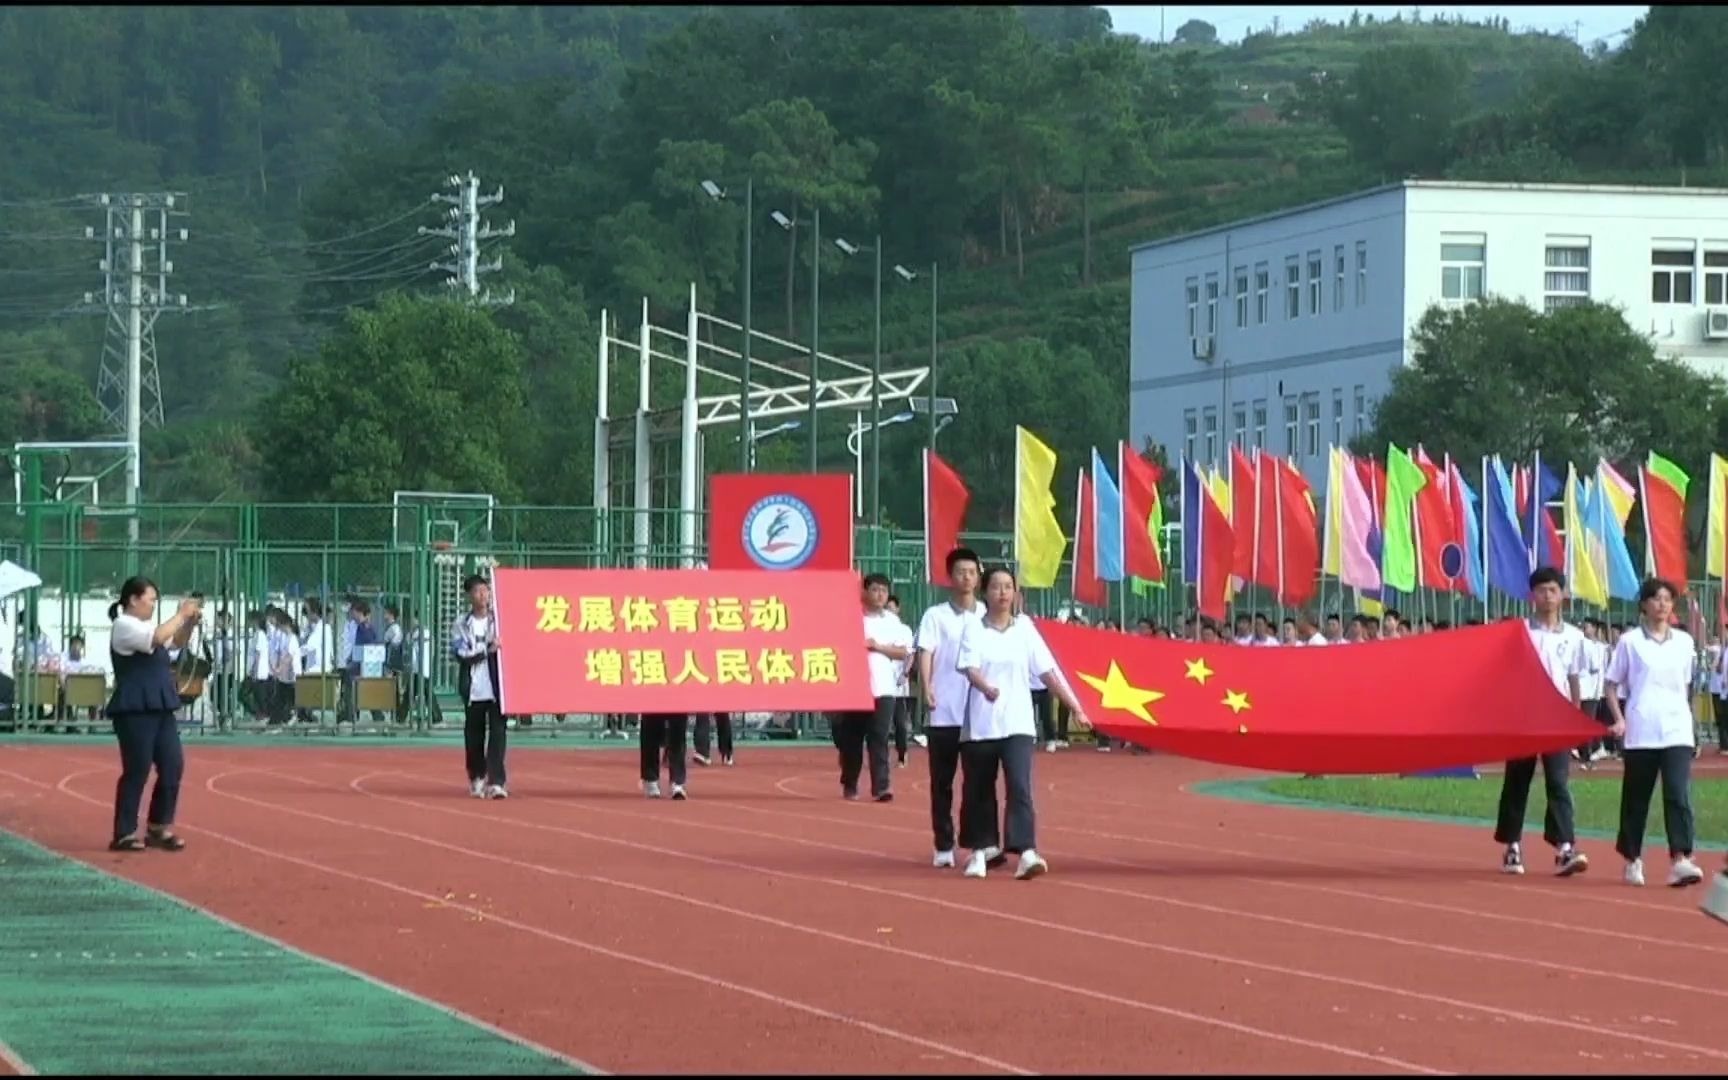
point(1332, 560)
point(1586, 576)
point(1038, 539)
point(1716, 519)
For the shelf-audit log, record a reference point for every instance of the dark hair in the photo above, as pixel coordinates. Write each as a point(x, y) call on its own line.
point(960, 555)
point(471, 582)
point(892, 599)
point(1652, 586)
point(1392, 613)
point(875, 579)
point(314, 605)
point(1148, 623)
point(994, 570)
point(79, 638)
point(392, 609)
point(1443, 624)
point(1547, 575)
point(362, 607)
point(130, 590)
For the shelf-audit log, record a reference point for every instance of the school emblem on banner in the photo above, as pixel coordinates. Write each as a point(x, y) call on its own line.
point(780, 533)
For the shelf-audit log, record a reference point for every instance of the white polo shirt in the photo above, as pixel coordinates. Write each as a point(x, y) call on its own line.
point(1561, 652)
point(1657, 676)
point(1316, 638)
point(885, 628)
point(939, 633)
point(1008, 659)
point(1595, 665)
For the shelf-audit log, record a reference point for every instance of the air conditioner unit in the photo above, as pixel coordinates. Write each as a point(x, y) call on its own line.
point(1203, 347)
point(1716, 324)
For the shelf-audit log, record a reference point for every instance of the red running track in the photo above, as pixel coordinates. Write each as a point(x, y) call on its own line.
point(766, 925)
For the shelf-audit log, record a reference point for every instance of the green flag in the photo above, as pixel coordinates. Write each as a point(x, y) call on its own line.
point(1398, 548)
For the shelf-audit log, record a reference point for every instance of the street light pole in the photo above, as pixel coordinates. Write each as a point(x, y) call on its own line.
point(749, 283)
point(932, 379)
point(815, 325)
point(876, 402)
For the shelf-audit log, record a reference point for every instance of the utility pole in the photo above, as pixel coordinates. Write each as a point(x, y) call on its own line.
point(134, 293)
point(467, 231)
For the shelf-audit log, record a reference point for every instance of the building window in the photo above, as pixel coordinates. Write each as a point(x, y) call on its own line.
point(1463, 268)
point(1241, 297)
point(1566, 275)
point(1193, 307)
point(1716, 277)
point(1338, 278)
point(1211, 304)
point(1314, 271)
point(1361, 272)
point(1260, 425)
point(1190, 430)
point(1210, 424)
point(1337, 417)
point(1239, 425)
point(1671, 275)
point(1311, 415)
point(1292, 427)
point(1361, 412)
point(1292, 288)
point(1262, 285)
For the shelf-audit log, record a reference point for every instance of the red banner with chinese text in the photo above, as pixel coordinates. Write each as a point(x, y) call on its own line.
point(679, 641)
point(767, 521)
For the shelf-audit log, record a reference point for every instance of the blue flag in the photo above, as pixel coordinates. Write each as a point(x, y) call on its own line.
point(1107, 521)
point(1599, 512)
point(1192, 488)
point(1507, 558)
point(1545, 487)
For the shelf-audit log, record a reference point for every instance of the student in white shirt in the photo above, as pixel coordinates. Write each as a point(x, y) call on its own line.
point(999, 654)
point(945, 689)
point(1719, 690)
point(1560, 647)
point(1655, 664)
point(889, 643)
point(1308, 632)
point(1590, 689)
point(474, 641)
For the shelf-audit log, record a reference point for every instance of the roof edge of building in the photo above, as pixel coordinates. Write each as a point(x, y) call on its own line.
point(1440, 185)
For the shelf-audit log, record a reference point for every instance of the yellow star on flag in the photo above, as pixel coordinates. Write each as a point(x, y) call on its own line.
point(1236, 701)
point(1198, 671)
point(1117, 693)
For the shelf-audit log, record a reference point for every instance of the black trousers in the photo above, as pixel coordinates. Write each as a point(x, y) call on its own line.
point(1593, 709)
point(1515, 798)
point(1674, 765)
point(980, 762)
point(483, 733)
point(944, 755)
point(662, 731)
point(902, 727)
point(720, 721)
point(1721, 704)
point(147, 739)
point(854, 732)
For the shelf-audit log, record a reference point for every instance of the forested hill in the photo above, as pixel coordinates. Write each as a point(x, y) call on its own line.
point(1021, 148)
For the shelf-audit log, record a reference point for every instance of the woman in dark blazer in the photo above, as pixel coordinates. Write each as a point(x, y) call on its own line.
point(142, 709)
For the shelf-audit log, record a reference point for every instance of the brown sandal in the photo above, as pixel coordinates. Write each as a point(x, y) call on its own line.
point(165, 841)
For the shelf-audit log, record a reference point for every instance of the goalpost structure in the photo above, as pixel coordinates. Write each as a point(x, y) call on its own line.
point(784, 379)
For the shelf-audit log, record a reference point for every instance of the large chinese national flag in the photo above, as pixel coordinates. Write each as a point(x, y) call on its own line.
point(1348, 709)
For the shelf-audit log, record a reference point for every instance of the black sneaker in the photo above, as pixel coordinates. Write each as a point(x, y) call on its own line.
point(1571, 861)
point(886, 796)
point(1512, 862)
point(849, 794)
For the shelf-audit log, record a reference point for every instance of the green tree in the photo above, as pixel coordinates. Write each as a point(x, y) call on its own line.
point(47, 399)
point(1577, 383)
point(1106, 141)
point(415, 394)
point(1398, 110)
point(1196, 32)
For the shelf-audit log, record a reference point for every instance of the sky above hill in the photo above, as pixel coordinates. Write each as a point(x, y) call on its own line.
point(1590, 24)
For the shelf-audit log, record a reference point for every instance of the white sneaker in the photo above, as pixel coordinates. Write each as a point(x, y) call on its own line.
point(921, 740)
point(678, 793)
point(944, 860)
point(975, 866)
point(1684, 872)
point(1635, 873)
point(496, 791)
point(651, 788)
point(1715, 902)
point(993, 856)
point(727, 761)
point(1050, 747)
point(477, 789)
point(1061, 744)
point(1031, 866)
point(700, 759)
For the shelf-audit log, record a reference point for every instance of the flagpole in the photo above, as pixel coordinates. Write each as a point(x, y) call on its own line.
point(1486, 589)
point(1122, 516)
point(929, 566)
point(1079, 515)
point(1018, 442)
point(1278, 503)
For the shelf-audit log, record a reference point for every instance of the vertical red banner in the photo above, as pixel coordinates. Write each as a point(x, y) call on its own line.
point(768, 521)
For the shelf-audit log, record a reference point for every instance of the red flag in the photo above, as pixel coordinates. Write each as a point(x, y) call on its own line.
point(1436, 566)
point(1216, 545)
point(945, 499)
point(1139, 507)
point(1244, 518)
point(1296, 536)
point(1665, 527)
point(1088, 587)
point(1346, 710)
